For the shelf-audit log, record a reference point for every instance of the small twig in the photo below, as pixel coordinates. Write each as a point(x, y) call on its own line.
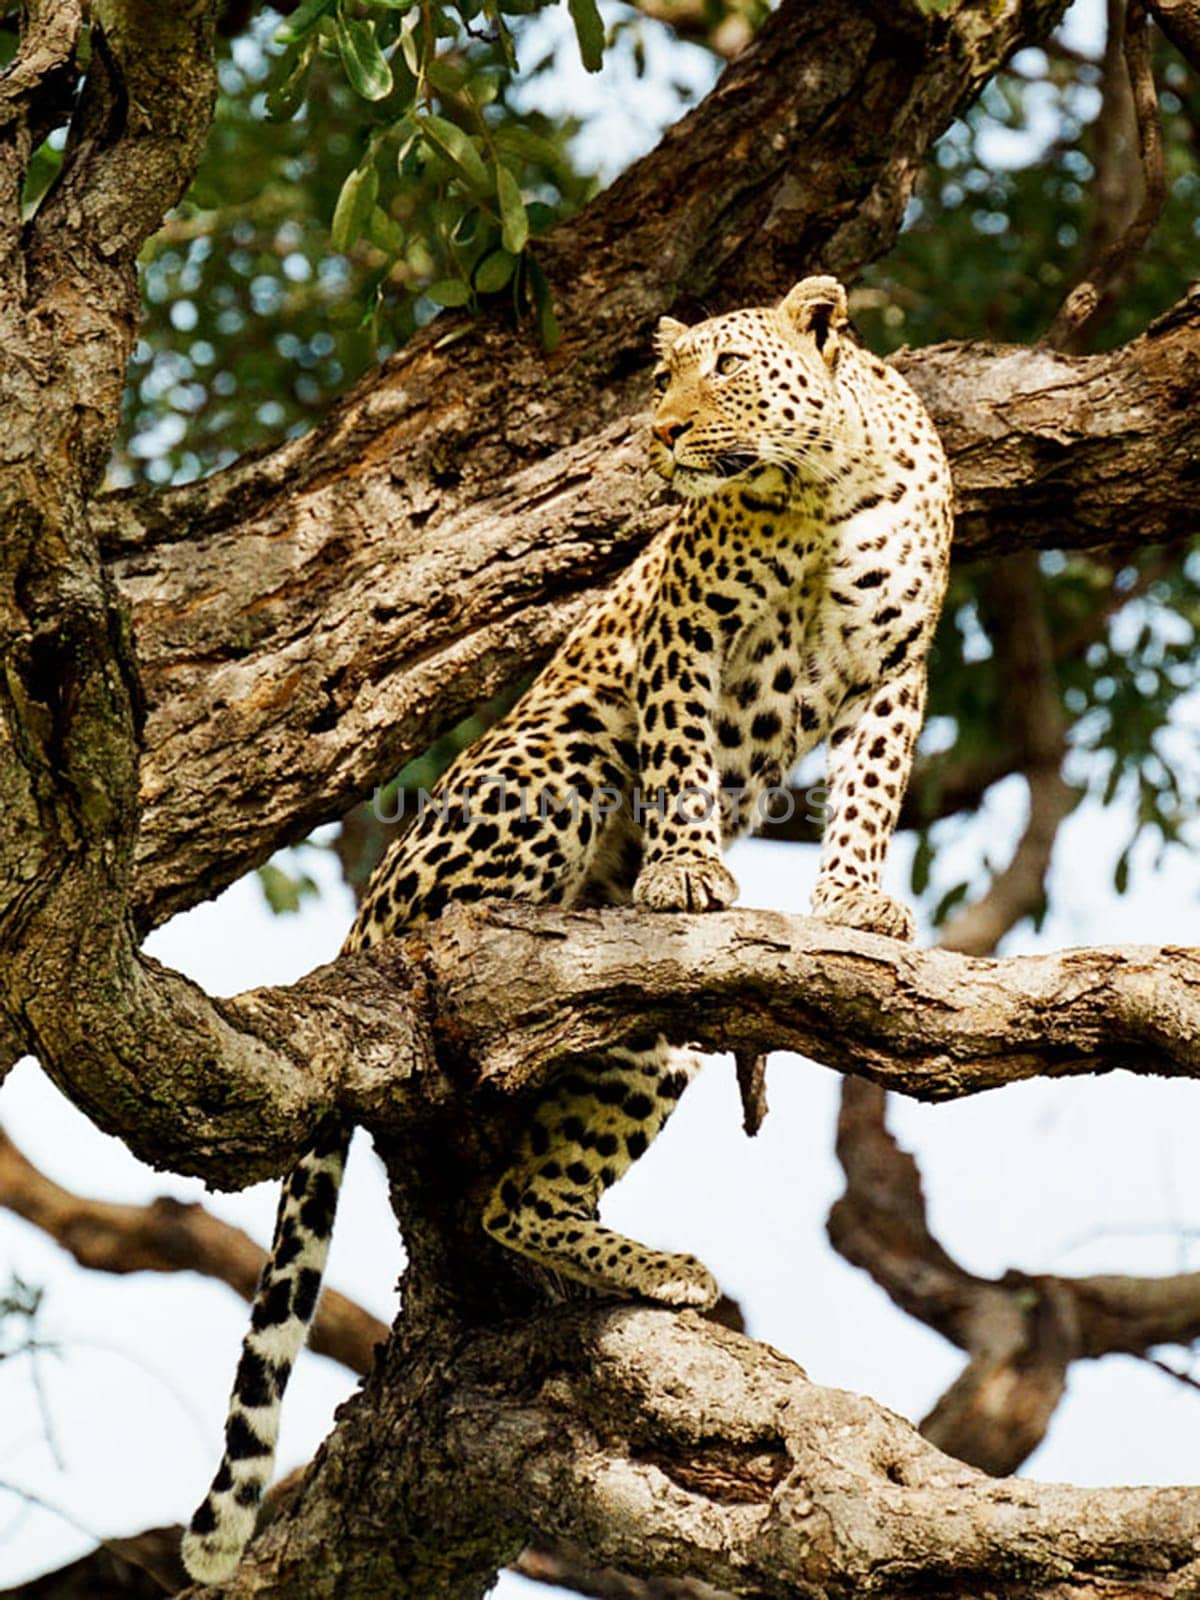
point(1144, 1230)
point(1172, 1372)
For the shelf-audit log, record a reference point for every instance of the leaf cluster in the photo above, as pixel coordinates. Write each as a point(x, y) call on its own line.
point(337, 208)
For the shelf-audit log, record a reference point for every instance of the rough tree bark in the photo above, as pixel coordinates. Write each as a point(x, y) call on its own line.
point(284, 608)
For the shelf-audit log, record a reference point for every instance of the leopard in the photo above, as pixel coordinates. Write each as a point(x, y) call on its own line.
point(790, 600)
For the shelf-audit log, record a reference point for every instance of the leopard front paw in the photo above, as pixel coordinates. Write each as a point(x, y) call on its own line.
point(857, 906)
point(697, 884)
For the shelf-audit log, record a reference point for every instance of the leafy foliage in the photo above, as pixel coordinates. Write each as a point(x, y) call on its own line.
point(363, 170)
point(284, 891)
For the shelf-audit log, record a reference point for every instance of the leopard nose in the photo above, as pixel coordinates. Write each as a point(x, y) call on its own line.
point(669, 432)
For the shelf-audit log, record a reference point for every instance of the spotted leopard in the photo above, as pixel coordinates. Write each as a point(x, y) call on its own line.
point(791, 600)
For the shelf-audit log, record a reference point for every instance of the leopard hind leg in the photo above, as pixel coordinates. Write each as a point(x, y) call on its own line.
point(594, 1121)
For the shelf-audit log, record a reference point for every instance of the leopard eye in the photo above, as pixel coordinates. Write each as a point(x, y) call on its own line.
point(662, 381)
point(729, 362)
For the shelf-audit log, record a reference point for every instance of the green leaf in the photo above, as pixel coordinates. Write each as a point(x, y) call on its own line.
point(372, 299)
point(512, 211)
point(283, 893)
point(456, 146)
point(286, 94)
point(365, 63)
point(494, 271)
point(408, 43)
point(449, 292)
point(445, 77)
point(548, 329)
point(1121, 870)
point(354, 204)
point(302, 21)
point(465, 227)
point(589, 29)
point(541, 216)
point(508, 48)
point(346, 314)
point(484, 87)
point(921, 862)
point(947, 903)
point(385, 232)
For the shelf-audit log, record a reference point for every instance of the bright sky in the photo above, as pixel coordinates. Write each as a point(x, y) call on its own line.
point(122, 1427)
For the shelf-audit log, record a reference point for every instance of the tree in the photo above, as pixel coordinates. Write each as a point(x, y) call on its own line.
point(197, 675)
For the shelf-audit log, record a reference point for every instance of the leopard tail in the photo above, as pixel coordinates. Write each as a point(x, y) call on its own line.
point(284, 1305)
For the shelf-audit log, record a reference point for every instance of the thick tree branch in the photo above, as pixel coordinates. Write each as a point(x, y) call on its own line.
point(169, 1236)
point(34, 93)
point(69, 697)
point(671, 1446)
point(497, 995)
point(1131, 181)
point(1021, 1331)
point(144, 1567)
point(1180, 21)
point(928, 1022)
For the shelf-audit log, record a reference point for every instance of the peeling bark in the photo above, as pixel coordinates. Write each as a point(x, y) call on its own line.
point(931, 1023)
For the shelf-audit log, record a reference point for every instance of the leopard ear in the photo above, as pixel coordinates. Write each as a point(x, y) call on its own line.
point(666, 333)
point(817, 307)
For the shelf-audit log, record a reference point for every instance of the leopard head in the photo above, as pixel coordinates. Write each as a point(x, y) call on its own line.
point(751, 396)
